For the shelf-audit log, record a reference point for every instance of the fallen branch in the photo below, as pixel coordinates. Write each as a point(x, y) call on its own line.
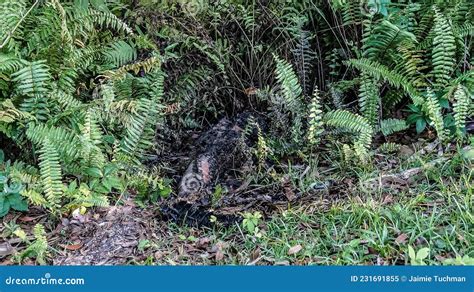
point(402, 178)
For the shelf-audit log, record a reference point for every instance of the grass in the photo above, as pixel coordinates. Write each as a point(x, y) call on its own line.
point(363, 229)
point(350, 225)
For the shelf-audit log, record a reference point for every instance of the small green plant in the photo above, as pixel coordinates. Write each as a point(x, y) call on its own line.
point(417, 259)
point(10, 192)
point(460, 261)
point(217, 194)
point(36, 249)
point(251, 222)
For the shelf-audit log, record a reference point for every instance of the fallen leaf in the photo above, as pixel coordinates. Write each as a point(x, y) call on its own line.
point(255, 254)
point(295, 249)
point(6, 262)
point(6, 249)
point(387, 199)
point(402, 238)
point(72, 246)
point(250, 91)
point(219, 255)
point(203, 242)
point(26, 219)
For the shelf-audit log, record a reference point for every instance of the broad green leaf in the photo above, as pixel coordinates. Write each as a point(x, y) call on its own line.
point(422, 253)
point(94, 172)
point(411, 252)
point(420, 125)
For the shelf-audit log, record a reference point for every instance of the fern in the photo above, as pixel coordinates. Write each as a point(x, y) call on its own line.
point(64, 141)
point(460, 108)
point(369, 100)
point(444, 49)
point(120, 53)
point(289, 83)
point(9, 113)
point(433, 109)
point(390, 126)
point(140, 131)
point(51, 175)
point(38, 249)
point(315, 119)
point(411, 64)
point(91, 141)
point(146, 65)
point(381, 72)
point(383, 37)
point(33, 79)
point(389, 147)
point(108, 20)
point(11, 12)
point(292, 95)
point(304, 57)
point(355, 124)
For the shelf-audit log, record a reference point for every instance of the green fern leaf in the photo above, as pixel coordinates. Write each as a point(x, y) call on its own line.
point(51, 176)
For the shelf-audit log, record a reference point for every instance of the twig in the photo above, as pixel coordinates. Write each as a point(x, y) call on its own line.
point(10, 34)
point(404, 175)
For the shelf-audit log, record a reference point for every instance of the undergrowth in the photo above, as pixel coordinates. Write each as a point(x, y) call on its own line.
point(95, 96)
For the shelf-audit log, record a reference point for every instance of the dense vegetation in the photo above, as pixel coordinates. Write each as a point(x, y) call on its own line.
point(93, 92)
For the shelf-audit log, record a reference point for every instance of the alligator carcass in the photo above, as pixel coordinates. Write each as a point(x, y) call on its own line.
point(222, 151)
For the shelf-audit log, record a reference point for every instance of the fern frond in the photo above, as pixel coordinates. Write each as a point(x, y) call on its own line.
point(464, 30)
point(381, 72)
point(433, 109)
point(91, 140)
point(389, 147)
point(9, 113)
point(444, 50)
point(10, 63)
point(120, 53)
point(34, 197)
point(38, 248)
point(390, 126)
point(461, 109)
point(355, 124)
point(66, 100)
point(65, 142)
point(383, 37)
point(351, 13)
point(108, 20)
point(141, 130)
point(33, 79)
point(304, 57)
point(369, 99)
point(145, 65)
point(289, 83)
point(315, 118)
point(51, 176)
point(67, 79)
point(11, 12)
point(411, 64)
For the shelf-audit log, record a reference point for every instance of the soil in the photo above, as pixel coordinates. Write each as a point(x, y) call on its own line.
point(109, 236)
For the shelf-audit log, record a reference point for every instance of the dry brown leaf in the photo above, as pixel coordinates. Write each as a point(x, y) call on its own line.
point(72, 246)
point(219, 255)
point(295, 249)
point(402, 238)
point(387, 200)
point(255, 254)
point(26, 219)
